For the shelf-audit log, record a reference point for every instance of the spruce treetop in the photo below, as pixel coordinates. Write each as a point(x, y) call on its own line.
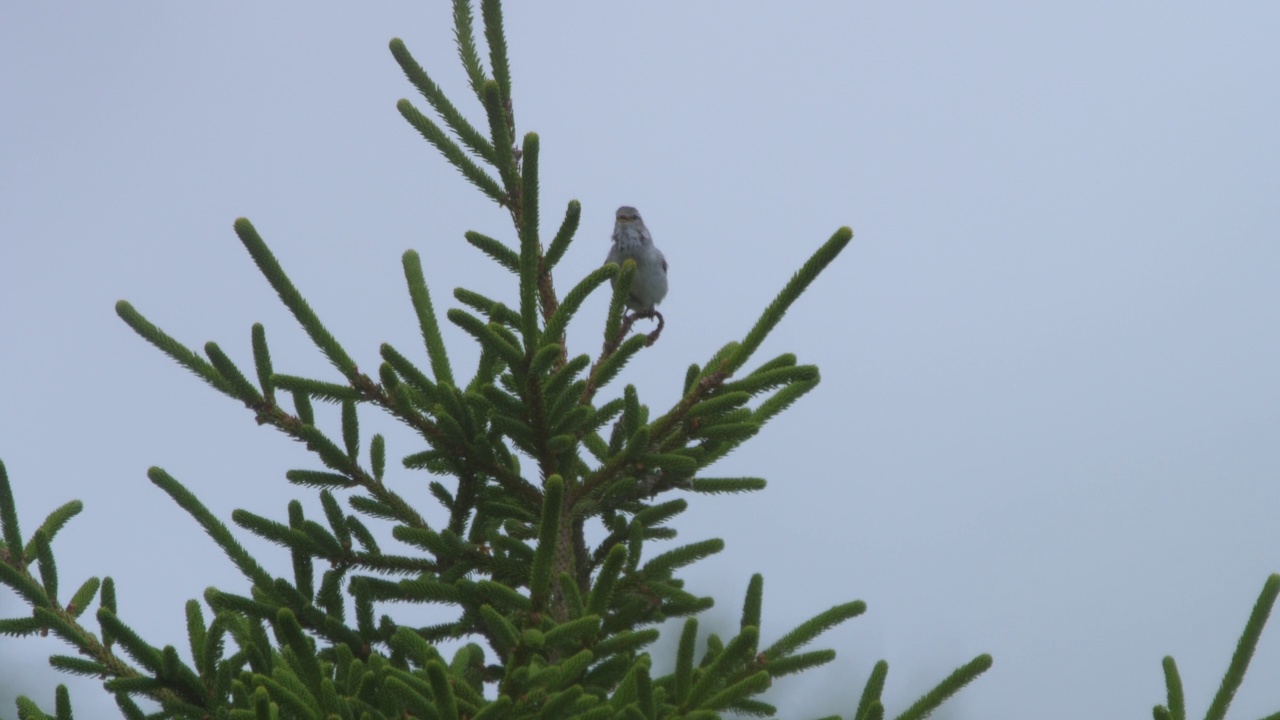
point(530, 455)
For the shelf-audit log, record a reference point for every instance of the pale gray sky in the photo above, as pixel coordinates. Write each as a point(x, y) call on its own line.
point(1050, 408)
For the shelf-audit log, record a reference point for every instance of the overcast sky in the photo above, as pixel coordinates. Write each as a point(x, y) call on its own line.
point(1049, 419)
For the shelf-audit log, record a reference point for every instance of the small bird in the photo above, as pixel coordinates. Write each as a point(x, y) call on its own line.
point(632, 241)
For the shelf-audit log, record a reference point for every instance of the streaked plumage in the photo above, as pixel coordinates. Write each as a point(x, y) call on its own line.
point(631, 240)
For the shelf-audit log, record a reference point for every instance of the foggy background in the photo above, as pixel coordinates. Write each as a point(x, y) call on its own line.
point(1047, 427)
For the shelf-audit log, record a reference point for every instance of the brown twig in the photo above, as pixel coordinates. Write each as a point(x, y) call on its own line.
point(625, 328)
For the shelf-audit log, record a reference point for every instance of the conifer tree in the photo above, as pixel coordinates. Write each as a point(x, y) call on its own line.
point(529, 450)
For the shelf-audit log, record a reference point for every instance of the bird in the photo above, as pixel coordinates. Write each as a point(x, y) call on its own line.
point(632, 241)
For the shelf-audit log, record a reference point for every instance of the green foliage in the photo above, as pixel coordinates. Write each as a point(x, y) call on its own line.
point(527, 460)
point(1175, 707)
